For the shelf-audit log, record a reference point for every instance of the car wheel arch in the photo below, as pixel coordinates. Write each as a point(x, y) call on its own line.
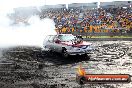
point(63, 48)
point(64, 52)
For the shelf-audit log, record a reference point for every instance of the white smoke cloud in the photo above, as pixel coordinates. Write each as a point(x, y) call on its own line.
point(21, 34)
point(33, 34)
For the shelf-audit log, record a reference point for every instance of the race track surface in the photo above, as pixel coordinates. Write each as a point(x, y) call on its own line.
point(29, 67)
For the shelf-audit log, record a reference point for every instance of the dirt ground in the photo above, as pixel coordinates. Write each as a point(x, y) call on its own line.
point(29, 67)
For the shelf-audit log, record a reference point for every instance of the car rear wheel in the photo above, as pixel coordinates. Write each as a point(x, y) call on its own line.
point(50, 52)
point(65, 53)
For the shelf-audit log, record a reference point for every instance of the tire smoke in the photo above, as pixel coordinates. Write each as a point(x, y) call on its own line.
point(30, 34)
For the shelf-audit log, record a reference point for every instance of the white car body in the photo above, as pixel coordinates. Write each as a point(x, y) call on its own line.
point(68, 42)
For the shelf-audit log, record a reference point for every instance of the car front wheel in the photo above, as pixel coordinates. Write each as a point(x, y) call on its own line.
point(65, 54)
point(86, 56)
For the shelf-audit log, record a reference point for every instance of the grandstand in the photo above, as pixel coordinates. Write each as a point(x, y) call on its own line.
point(115, 4)
point(109, 18)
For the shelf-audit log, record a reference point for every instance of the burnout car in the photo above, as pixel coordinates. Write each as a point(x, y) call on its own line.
point(67, 44)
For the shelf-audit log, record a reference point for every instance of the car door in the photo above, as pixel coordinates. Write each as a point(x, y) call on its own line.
point(49, 43)
point(57, 45)
point(46, 42)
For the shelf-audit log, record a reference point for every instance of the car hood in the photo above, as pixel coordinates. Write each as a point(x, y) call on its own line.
point(82, 43)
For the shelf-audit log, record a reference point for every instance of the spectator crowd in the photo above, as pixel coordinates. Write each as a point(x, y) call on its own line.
point(94, 20)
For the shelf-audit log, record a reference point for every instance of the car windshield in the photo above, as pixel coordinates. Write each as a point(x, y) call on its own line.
point(67, 37)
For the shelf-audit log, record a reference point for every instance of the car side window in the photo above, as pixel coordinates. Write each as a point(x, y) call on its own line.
point(51, 38)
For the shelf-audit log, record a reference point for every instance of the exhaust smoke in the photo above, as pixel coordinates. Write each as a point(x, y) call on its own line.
point(30, 34)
